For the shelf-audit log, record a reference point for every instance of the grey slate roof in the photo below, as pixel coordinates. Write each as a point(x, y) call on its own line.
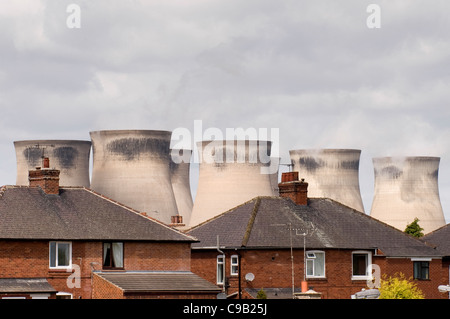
point(75, 214)
point(155, 281)
point(440, 238)
point(263, 222)
point(25, 285)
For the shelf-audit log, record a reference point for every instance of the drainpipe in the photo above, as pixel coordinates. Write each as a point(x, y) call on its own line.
point(239, 272)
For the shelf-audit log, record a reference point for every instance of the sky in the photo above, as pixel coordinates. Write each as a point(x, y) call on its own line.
point(315, 70)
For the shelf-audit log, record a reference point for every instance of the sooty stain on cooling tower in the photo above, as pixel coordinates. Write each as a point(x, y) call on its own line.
point(33, 156)
point(435, 174)
point(391, 171)
point(66, 155)
point(351, 165)
point(310, 163)
point(133, 148)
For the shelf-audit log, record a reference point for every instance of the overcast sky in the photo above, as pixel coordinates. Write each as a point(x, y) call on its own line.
point(312, 69)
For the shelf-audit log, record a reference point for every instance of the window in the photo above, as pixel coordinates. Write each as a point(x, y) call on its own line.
point(315, 264)
point(113, 255)
point(361, 265)
point(421, 269)
point(220, 269)
point(63, 295)
point(60, 254)
point(234, 265)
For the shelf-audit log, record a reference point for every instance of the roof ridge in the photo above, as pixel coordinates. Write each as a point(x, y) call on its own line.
point(371, 218)
point(221, 214)
point(142, 214)
point(251, 222)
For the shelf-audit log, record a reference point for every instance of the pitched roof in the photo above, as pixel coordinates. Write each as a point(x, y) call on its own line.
point(439, 238)
point(75, 214)
point(157, 281)
point(265, 222)
point(25, 285)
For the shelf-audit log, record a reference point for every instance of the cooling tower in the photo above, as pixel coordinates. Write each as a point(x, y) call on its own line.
point(230, 173)
point(180, 179)
point(274, 176)
point(133, 168)
point(406, 188)
point(330, 173)
point(69, 156)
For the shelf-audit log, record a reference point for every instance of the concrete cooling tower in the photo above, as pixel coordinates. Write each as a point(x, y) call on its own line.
point(71, 157)
point(230, 173)
point(133, 168)
point(275, 161)
point(330, 173)
point(180, 179)
point(406, 188)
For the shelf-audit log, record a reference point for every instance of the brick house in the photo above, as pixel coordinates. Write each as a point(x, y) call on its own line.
point(440, 238)
point(260, 245)
point(70, 242)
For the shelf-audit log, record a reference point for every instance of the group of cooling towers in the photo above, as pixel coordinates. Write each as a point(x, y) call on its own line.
point(135, 168)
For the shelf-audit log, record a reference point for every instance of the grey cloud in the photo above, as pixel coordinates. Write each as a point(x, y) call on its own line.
point(312, 69)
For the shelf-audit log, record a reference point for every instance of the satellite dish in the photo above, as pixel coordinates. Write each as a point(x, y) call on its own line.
point(249, 277)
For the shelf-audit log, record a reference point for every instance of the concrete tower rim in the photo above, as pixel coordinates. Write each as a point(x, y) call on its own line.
point(325, 150)
point(20, 142)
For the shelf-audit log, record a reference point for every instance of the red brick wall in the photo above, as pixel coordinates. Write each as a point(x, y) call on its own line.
point(272, 268)
point(158, 256)
point(428, 287)
point(30, 259)
point(102, 289)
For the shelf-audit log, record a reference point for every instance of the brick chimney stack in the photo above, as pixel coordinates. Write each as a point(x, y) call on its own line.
point(46, 178)
point(291, 187)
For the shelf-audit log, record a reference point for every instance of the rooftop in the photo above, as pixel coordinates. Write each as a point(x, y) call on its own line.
point(439, 238)
point(266, 222)
point(25, 285)
point(158, 281)
point(76, 213)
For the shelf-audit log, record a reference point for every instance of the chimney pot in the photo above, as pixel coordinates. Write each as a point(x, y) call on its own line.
point(289, 177)
point(46, 162)
point(176, 221)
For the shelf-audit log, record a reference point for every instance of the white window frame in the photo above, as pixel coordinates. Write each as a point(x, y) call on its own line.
point(40, 296)
point(311, 259)
point(64, 294)
point(56, 255)
point(368, 275)
point(220, 264)
point(234, 265)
